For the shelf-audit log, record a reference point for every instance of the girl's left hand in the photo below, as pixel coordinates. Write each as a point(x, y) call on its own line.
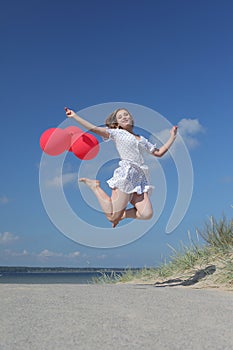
point(174, 130)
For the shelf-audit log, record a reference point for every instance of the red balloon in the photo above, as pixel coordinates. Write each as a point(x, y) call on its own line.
point(73, 130)
point(55, 141)
point(75, 133)
point(85, 147)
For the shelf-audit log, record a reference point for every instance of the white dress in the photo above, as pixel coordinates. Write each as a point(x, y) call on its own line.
point(132, 175)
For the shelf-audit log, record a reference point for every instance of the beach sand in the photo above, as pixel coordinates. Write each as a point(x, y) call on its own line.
point(67, 317)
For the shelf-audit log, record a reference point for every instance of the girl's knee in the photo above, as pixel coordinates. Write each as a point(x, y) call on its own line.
point(146, 215)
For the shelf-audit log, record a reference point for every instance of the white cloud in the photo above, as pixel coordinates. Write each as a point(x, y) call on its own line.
point(188, 129)
point(190, 126)
point(102, 256)
point(16, 254)
point(64, 179)
point(4, 200)
point(47, 254)
point(43, 255)
point(7, 238)
point(50, 254)
point(74, 254)
point(25, 253)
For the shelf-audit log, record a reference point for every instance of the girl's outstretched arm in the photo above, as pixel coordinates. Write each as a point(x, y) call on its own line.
point(163, 149)
point(87, 125)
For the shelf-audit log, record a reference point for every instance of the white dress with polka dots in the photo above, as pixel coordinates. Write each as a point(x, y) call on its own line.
point(132, 175)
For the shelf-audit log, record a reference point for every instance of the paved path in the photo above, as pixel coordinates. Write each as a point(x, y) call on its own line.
point(83, 317)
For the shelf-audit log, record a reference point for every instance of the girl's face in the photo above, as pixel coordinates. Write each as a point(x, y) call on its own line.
point(124, 119)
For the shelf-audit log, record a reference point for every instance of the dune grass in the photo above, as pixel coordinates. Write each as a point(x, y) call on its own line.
point(216, 250)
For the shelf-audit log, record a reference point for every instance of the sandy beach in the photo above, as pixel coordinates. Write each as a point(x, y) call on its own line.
point(114, 317)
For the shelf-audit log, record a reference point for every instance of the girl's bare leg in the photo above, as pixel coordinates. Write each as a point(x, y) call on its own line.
point(120, 201)
point(114, 206)
point(103, 198)
point(142, 208)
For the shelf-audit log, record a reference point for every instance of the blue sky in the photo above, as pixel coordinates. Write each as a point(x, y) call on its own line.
point(174, 57)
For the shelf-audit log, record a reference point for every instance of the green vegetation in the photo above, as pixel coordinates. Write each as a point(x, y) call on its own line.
point(211, 261)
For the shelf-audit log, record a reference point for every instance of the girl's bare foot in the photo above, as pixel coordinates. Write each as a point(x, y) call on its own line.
point(92, 184)
point(116, 222)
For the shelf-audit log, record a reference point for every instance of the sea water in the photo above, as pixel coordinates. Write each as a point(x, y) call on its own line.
point(50, 277)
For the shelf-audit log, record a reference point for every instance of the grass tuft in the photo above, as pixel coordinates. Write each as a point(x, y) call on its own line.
point(217, 249)
point(218, 234)
point(107, 278)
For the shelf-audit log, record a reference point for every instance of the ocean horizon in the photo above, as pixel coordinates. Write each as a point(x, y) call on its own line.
point(26, 275)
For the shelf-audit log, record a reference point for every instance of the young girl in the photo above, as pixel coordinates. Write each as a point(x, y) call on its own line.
point(130, 181)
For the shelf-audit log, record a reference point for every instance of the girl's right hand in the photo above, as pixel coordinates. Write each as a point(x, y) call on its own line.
point(69, 112)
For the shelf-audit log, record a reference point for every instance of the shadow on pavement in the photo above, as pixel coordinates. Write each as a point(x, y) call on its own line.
point(199, 275)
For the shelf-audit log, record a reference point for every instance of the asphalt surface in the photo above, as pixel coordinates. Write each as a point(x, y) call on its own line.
point(83, 317)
